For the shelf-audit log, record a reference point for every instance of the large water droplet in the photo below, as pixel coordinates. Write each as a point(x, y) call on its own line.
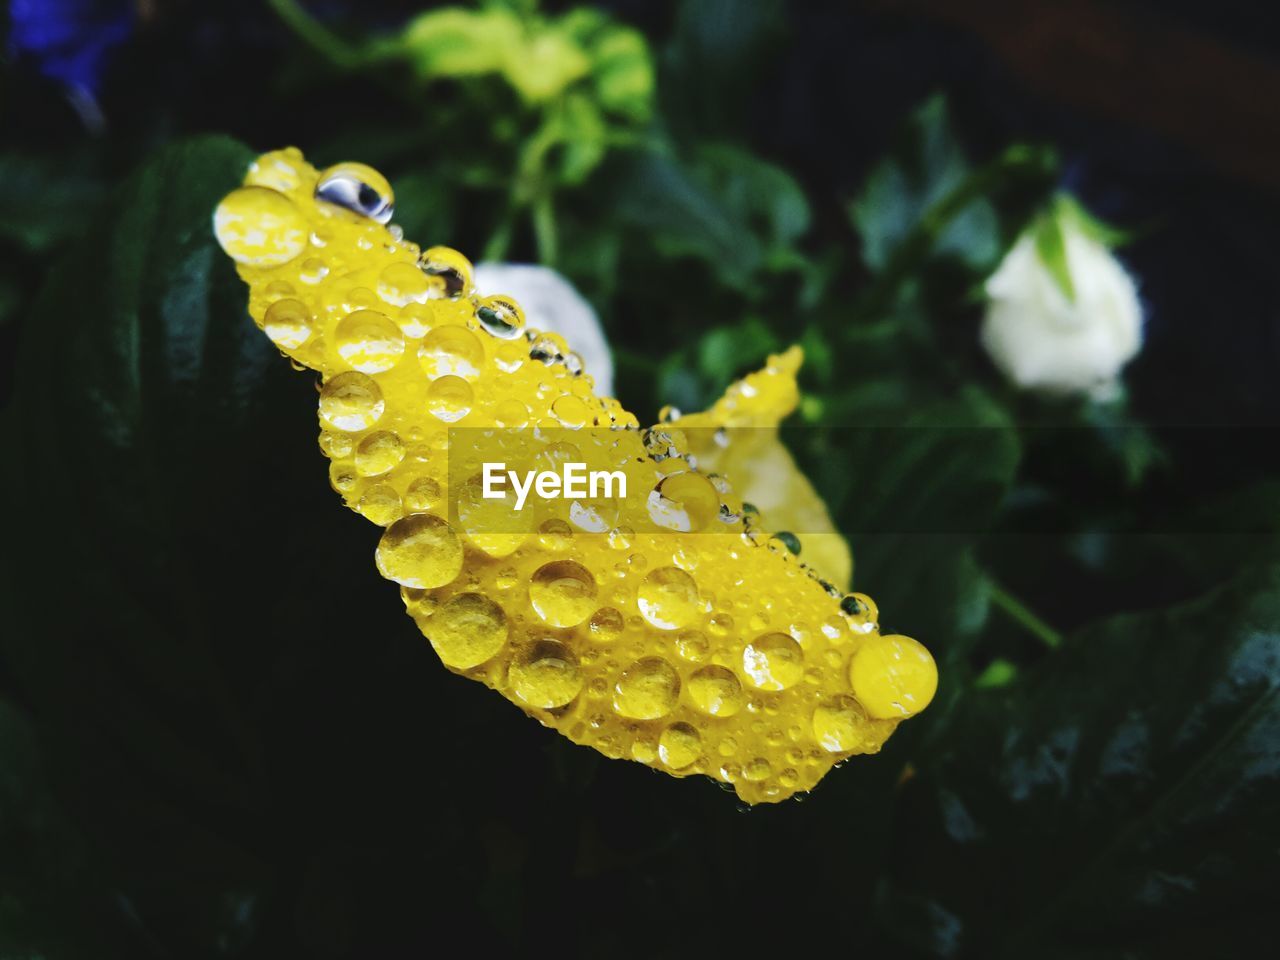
point(467, 631)
point(402, 284)
point(501, 316)
point(679, 746)
point(259, 227)
point(668, 598)
point(369, 341)
point(647, 690)
point(545, 674)
point(359, 189)
point(685, 502)
point(893, 676)
point(423, 494)
point(288, 323)
point(563, 593)
point(571, 411)
point(451, 351)
point(420, 550)
point(716, 691)
point(450, 270)
point(773, 661)
point(450, 398)
point(351, 401)
point(378, 453)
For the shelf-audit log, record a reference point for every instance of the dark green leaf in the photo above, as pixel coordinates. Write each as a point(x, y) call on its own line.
point(926, 166)
point(726, 353)
point(140, 354)
point(46, 201)
point(1115, 798)
point(915, 495)
point(739, 214)
point(717, 45)
point(225, 690)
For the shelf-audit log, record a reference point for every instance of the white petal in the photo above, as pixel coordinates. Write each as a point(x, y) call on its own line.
point(1041, 340)
point(551, 303)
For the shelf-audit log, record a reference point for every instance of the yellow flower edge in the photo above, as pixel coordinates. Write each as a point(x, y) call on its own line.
point(665, 626)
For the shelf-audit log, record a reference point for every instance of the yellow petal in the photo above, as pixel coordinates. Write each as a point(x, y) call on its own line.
point(655, 626)
point(763, 472)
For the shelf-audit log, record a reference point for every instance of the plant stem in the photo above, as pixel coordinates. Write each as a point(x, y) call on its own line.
point(1018, 611)
point(319, 37)
point(544, 229)
point(500, 240)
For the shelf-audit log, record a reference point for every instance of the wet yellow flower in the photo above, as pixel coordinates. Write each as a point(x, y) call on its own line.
point(665, 625)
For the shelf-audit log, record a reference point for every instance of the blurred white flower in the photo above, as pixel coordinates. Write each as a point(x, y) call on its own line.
point(551, 303)
point(1068, 332)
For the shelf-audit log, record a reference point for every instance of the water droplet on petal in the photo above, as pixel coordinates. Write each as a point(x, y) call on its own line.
point(773, 661)
point(358, 188)
point(420, 550)
point(450, 398)
point(501, 316)
point(451, 271)
point(288, 323)
point(679, 746)
point(563, 593)
point(716, 691)
point(351, 401)
point(668, 598)
point(467, 631)
point(259, 227)
point(647, 690)
point(369, 341)
point(545, 674)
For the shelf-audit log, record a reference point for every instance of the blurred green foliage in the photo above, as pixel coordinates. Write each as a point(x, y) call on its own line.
point(228, 741)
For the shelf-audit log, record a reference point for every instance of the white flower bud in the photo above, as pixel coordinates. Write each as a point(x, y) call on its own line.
point(1044, 338)
point(551, 303)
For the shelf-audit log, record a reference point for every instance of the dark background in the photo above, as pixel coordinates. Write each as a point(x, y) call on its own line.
point(220, 736)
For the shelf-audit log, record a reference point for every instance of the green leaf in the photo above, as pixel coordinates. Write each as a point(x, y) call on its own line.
point(621, 64)
point(454, 42)
point(1051, 247)
point(46, 200)
point(1121, 797)
point(225, 691)
point(546, 64)
point(1134, 447)
point(924, 168)
point(139, 351)
point(725, 353)
point(582, 133)
point(739, 214)
point(716, 53)
point(999, 673)
point(915, 493)
point(1070, 209)
point(538, 59)
point(622, 69)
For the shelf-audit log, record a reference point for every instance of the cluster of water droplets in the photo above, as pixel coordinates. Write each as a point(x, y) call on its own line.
point(666, 626)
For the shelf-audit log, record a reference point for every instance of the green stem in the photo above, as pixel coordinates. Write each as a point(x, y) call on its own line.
point(500, 240)
point(319, 37)
point(1018, 611)
point(636, 361)
point(1018, 161)
point(544, 229)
